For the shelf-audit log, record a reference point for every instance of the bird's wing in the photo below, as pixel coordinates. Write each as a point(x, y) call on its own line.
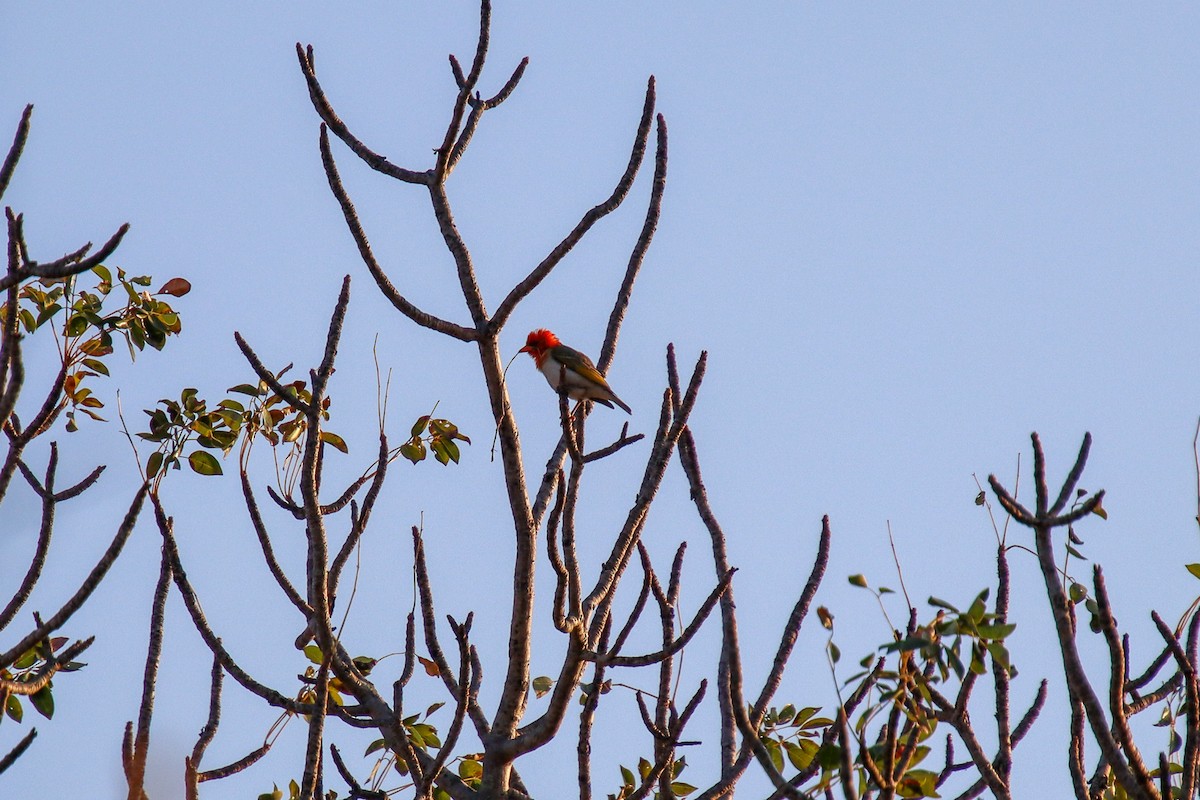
point(581, 364)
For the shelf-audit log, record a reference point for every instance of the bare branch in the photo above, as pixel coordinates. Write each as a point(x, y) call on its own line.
point(209, 731)
point(478, 106)
point(635, 613)
point(85, 589)
point(425, 592)
point(192, 603)
point(678, 644)
point(1187, 666)
point(234, 768)
point(593, 215)
point(14, 152)
point(268, 550)
point(38, 562)
point(1073, 477)
point(623, 441)
point(325, 111)
point(466, 86)
point(136, 774)
point(11, 756)
point(791, 631)
point(269, 378)
point(81, 487)
point(70, 264)
point(638, 255)
point(1117, 671)
point(558, 610)
point(389, 291)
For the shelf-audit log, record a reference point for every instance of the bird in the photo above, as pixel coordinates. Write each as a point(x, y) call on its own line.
point(584, 381)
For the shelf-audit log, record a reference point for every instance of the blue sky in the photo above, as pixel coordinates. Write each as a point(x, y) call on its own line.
point(906, 235)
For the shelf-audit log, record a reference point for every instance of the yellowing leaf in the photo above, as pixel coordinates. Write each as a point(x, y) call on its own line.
point(335, 441)
point(204, 463)
point(825, 617)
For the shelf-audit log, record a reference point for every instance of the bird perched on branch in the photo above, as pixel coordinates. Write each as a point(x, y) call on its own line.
point(584, 381)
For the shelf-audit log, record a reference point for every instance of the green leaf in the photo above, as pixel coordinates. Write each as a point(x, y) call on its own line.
point(154, 464)
point(419, 426)
point(95, 365)
point(204, 463)
point(378, 744)
point(313, 653)
point(996, 631)
point(27, 659)
point(245, 388)
point(426, 733)
point(13, 708)
point(977, 609)
point(413, 450)
point(46, 313)
point(76, 325)
point(939, 603)
point(796, 754)
point(43, 701)
point(858, 580)
point(1000, 653)
point(829, 756)
point(681, 789)
point(1194, 569)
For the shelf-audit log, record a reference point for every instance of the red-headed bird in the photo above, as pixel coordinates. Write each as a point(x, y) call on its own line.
point(584, 381)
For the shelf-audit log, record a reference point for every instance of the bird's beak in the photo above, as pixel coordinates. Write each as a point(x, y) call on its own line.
point(526, 349)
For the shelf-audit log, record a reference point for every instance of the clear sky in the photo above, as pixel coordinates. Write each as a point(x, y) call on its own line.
point(906, 235)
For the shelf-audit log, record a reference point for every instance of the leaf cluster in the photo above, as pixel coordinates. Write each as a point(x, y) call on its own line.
point(630, 782)
point(89, 324)
point(436, 435)
point(29, 668)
